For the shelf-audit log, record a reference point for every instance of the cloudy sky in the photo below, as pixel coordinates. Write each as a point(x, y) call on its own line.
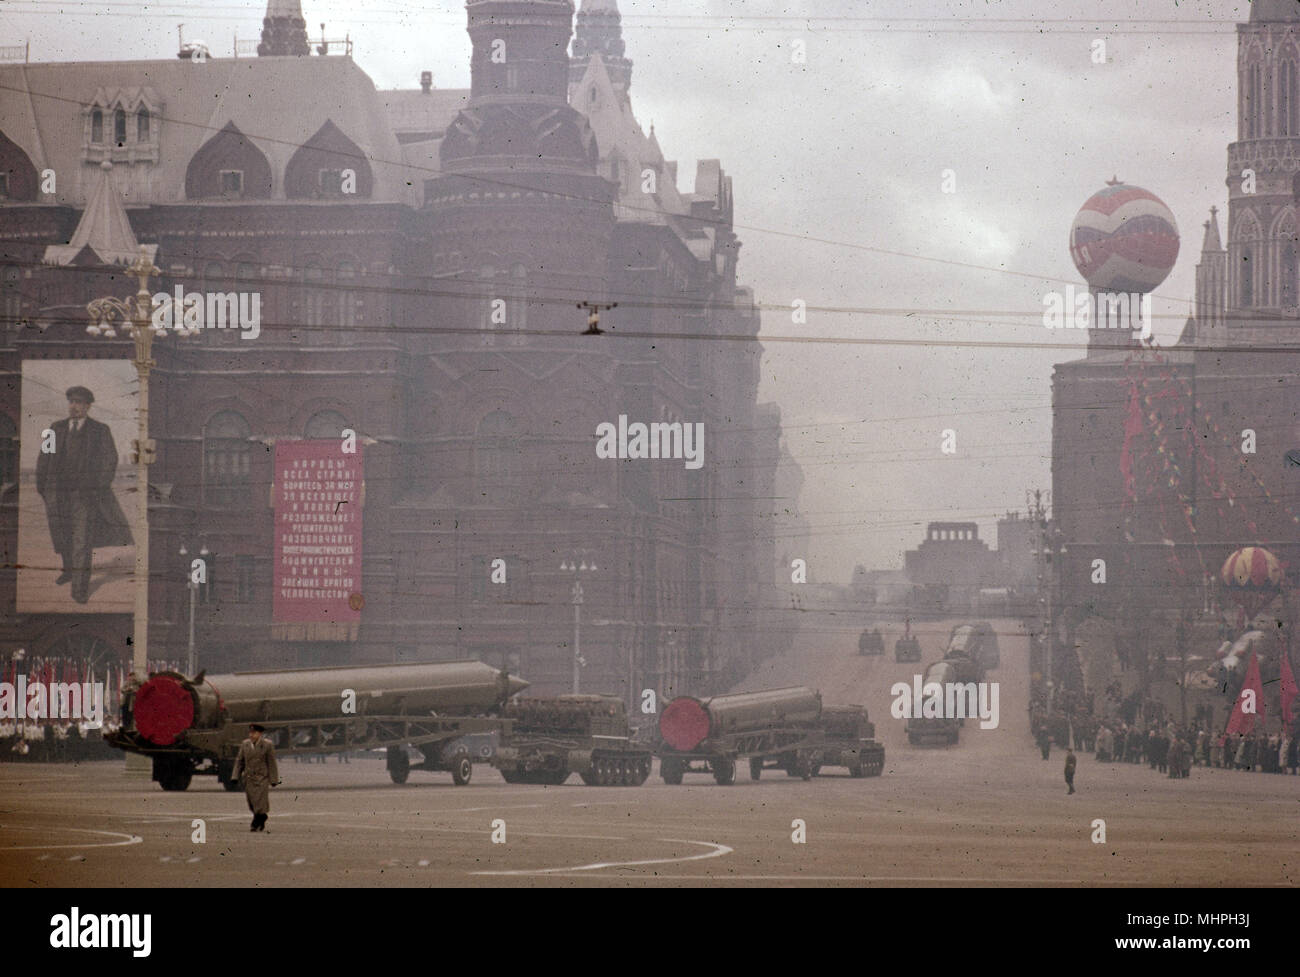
point(838, 165)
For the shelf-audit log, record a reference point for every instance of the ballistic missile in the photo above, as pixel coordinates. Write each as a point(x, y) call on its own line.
point(168, 705)
point(687, 722)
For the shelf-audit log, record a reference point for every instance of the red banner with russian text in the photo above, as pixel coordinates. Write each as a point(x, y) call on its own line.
point(318, 498)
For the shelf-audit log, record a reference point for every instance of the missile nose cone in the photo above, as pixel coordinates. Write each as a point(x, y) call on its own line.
point(515, 684)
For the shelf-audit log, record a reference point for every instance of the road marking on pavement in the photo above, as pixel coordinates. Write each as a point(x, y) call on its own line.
point(596, 866)
point(127, 839)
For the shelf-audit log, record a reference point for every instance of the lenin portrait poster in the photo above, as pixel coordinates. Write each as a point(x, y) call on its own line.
point(76, 499)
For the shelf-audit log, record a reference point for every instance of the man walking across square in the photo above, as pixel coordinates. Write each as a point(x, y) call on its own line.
point(256, 762)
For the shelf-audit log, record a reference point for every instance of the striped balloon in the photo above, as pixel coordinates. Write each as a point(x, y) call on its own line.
point(1124, 239)
point(1252, 567)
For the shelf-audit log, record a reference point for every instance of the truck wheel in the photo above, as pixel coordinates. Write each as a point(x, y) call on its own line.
point(670, 770)
point(724, 772)
point(461, 770)
point(755, 767)
point(172, 773)
point(399, 765)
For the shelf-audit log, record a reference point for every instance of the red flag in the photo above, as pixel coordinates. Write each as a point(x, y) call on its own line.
point(1132, 428)
point(1289, 689)
point(1241, 721)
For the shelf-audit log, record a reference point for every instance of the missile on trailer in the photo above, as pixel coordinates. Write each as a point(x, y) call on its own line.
point(687, 722)
point(184, 723)
point(168, 704)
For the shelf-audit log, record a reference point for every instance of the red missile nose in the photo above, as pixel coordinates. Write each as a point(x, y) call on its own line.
point(163, 710)
point(684, 724)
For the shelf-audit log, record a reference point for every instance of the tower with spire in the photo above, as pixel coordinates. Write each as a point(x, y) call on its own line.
point(1211, 280)
point(1263, 248)
point(600, 31)
point(518, 198)
point(284, 31)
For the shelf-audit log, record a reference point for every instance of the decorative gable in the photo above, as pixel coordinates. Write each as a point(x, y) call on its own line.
point(122, 125)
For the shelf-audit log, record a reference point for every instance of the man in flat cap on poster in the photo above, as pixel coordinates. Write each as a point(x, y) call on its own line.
point(256, 762)
point(75, 480)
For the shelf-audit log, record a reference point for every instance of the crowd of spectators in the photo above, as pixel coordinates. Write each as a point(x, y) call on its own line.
point(54, 742)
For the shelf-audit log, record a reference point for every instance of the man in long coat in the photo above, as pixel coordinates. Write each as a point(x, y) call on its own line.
point(75, 480)
point(256, 762)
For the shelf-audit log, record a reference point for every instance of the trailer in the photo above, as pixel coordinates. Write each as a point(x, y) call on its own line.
point(191, 727)
point(781, 729)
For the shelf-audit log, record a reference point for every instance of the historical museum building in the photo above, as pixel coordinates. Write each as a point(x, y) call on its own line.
point(419, 257)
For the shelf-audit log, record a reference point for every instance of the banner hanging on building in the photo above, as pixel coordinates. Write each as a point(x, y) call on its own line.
point(318, 499)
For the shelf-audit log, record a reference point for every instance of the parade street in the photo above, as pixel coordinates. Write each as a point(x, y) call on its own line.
point(988, 811)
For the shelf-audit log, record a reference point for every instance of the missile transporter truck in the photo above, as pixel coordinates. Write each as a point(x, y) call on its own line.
point(849, 741)
point(978, 642)
point(551, 738)
point(778, 726)
point(195, 725)
point(933, 729)
point(871, 642)
point(907, 648)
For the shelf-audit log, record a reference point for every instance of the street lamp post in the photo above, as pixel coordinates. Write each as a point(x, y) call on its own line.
point(134, 316)
point(575, 566)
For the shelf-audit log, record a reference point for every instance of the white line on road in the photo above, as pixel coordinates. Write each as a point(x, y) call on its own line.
point(127, 839)
point(717, 850)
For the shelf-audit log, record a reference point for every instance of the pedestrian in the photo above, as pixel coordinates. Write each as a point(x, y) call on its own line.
point(256, 761)
point(1070, 763)
point(1045, 741)
point(75, 480)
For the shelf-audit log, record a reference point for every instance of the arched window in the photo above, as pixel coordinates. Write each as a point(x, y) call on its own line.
point(1247, 273)
point(227, 455)
point(142, 125)
point(1253, 129)
point(119, 127)
point(345, 277)
point(8, 450)
point(496, 460)
point(1287, 276)
point(325, 425)
point(97, 126)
